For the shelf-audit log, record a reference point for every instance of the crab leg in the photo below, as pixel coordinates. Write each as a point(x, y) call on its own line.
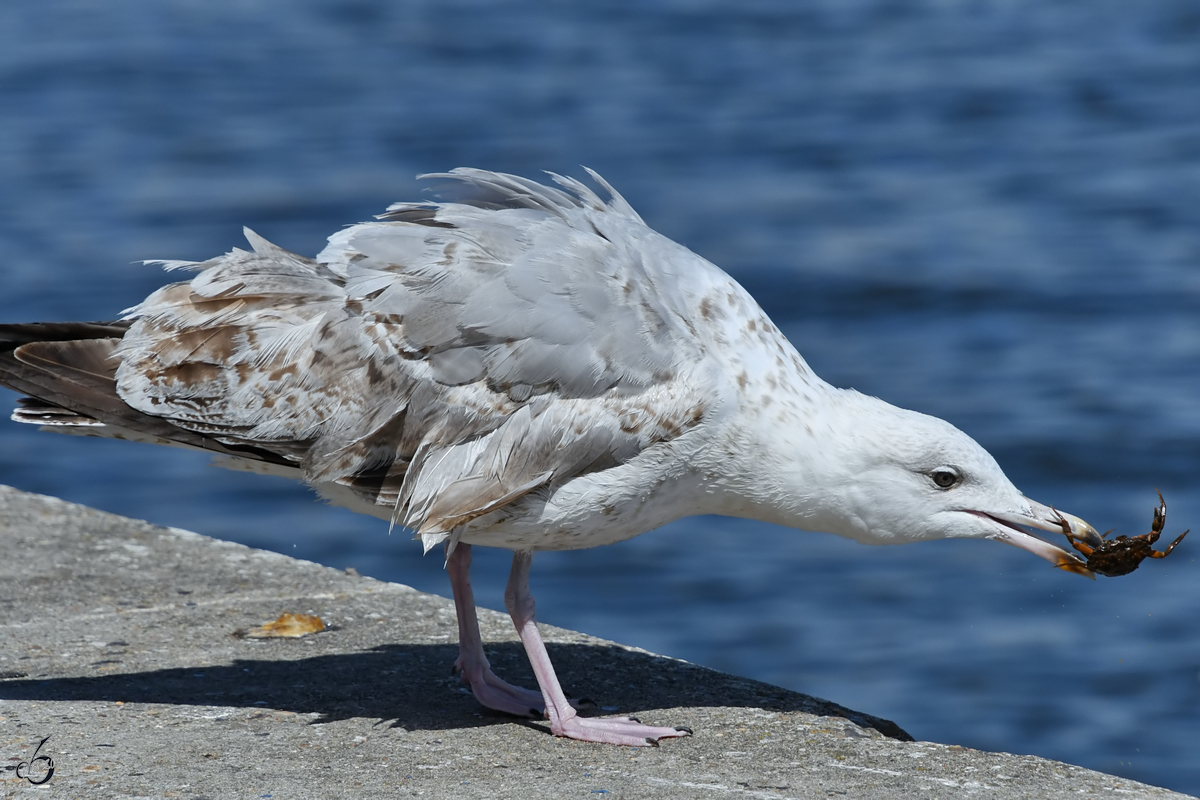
point(1170, 547)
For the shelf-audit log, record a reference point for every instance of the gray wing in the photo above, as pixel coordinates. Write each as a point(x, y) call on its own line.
point(444, 361)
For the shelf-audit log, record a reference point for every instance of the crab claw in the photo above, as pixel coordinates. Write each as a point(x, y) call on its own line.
point(1076, 529)
point(1160, 518)
point(1047, 518)
point(1076, 566)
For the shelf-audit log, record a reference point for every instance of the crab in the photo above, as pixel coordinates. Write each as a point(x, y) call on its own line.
point(1122, 555)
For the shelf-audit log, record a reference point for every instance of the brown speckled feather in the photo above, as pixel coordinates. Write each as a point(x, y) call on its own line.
point(443, 362)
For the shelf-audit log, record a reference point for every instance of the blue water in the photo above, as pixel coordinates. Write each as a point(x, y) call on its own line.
point(986, 211)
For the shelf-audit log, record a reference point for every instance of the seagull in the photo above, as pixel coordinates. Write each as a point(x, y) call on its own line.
point(521, 365)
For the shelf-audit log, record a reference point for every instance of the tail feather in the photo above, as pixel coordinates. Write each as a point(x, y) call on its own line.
point(63, 364)
point(68, 370)
point(38, 412)
point(13, 336)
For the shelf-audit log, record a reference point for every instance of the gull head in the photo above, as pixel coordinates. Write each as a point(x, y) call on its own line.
point(900, 476)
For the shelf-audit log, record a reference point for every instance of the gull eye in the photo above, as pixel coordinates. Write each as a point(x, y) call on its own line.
point(944, 477)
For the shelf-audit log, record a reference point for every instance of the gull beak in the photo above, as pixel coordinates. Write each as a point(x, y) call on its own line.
point(1047, 519)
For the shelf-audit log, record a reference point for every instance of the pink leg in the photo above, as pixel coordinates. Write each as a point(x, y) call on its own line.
point(472, 663)
point(563, 719)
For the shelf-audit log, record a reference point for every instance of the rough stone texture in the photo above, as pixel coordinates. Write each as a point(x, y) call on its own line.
point(118, 640)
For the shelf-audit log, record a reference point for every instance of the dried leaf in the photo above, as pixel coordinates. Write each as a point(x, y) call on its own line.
point(288, 626)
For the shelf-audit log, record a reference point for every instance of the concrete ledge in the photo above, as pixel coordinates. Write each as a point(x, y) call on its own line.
point(116, 641)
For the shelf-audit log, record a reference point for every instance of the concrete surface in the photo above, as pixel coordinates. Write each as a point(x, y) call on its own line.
point(118, 641)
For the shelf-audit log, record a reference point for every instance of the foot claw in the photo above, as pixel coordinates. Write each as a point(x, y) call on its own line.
point(684, 729)
point(613, 730)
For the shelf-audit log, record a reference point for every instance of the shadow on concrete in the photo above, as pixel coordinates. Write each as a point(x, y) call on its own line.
point(410, 686)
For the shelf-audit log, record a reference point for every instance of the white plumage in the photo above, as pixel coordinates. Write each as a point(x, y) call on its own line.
point(522, 366)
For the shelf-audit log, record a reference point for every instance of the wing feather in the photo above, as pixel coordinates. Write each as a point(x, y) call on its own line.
point(444, 361)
